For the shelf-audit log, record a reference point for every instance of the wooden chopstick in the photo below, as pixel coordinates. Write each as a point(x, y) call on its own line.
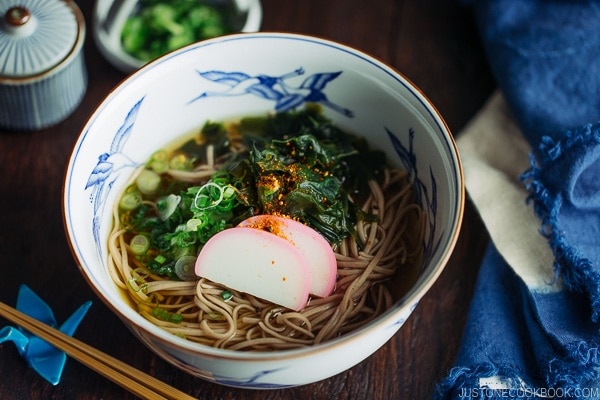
point(134, 380)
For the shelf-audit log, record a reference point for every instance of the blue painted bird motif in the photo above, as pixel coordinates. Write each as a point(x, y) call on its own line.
point(45, 359)
point(108, 166)
point(275, 88)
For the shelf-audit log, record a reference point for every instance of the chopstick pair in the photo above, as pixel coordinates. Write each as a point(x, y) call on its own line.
point(131, 379)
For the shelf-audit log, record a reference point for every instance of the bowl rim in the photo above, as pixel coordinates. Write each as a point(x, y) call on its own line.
point(411, 298)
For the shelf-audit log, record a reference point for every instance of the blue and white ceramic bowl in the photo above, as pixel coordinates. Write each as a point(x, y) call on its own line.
point(250, 74)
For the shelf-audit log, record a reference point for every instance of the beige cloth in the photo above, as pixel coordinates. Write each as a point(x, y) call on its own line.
point(494, 154)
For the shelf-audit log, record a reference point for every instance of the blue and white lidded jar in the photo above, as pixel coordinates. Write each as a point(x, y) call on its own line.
point(42, 69)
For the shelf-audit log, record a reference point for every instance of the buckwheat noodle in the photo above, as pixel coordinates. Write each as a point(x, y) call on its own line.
point(392, 244)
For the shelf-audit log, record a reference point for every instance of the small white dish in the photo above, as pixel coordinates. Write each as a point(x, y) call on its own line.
point(110, 16)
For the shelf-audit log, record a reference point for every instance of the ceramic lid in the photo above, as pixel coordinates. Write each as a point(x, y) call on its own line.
point(35, 35)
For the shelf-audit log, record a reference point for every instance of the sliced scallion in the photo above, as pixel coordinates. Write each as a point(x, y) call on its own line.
point(180, 162)
point(130, 201)
point(139, 244)
point(159, 161)
point(159, 166)
point(166, 315)
point(184, 268)
point(226, 295)
point(193, 224)
point(148, 181)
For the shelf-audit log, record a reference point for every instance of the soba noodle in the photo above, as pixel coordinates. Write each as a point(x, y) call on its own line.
point(391, 243)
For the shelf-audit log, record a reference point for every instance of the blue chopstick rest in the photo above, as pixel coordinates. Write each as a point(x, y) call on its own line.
point(45, 359)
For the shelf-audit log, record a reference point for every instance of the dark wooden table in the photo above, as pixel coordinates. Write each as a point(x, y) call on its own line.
point(434, 43)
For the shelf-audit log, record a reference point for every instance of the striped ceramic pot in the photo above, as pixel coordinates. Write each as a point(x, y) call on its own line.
point(42, 70)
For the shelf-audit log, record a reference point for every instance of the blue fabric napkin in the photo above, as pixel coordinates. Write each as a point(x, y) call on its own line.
point(528, 336)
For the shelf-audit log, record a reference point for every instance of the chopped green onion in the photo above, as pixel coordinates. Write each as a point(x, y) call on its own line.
point(160, 265)
point(184, 268)
point(168, 316)
point(226, 295)
point(160, 26)
point(204, 201)
point(139, 244)
point(228, 192)
point(147, 181)
point(159, 161)
point(164, 17)
point(131, 200)
point(193, 224)
point(181, 162)
point(159, 155)
point(134, 34)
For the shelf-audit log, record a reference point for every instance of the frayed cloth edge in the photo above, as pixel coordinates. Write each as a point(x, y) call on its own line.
point(577, 371)
point(463, 382)
point(579, 368)
point(575, 270)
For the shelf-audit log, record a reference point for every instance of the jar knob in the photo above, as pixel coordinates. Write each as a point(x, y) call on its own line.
point(17, 16)
point(19, 21)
